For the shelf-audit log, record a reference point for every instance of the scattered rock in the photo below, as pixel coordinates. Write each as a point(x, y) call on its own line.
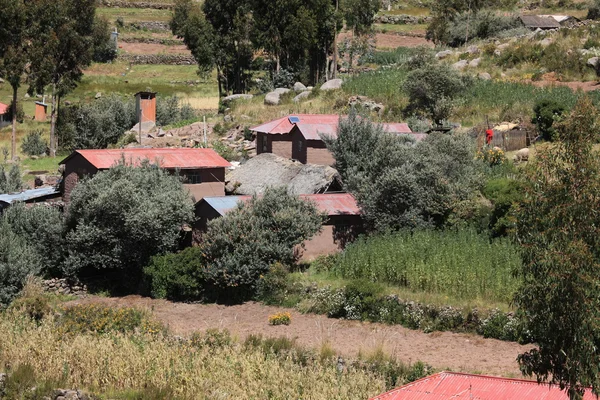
point(233, 97)
point(460, 65)
point(332, 84)
point(473, 50)
point(98, 95)
point(272, 99)
point(299, 87)
point(228, 119)
point(68, 103)
point(301, 96)
point(281, 91)
point(366, 103)
point(1, 80)
point(27, 95)
point(593, 62)
point(547, 42)
point(475, 63)
point(485, 76)
point(309, 88)
point(443, 54)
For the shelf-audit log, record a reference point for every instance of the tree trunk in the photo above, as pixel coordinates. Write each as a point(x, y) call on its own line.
point(13, 138)
point(219, 82)
point(335, 50)
point(53, 123)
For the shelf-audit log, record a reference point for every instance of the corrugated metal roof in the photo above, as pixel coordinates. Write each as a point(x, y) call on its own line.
point(29, 195)
point(536, 21)
point(183, 158)
point(328, 203)
point(450, 385)
point(312, 126)
point(3, 108)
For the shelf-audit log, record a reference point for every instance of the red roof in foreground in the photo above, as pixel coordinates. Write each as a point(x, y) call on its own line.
point(170, 158)
point(451, 385)
point(313, 125)
point(3, 108)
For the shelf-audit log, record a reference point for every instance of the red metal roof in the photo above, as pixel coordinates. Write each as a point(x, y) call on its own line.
point(313, 125)
point(170, 158)
point(328, 203)
point(451, 385)
point(3, 108)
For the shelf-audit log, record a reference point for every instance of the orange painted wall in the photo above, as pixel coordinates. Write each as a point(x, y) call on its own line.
point(40, 112)
point(148, 109)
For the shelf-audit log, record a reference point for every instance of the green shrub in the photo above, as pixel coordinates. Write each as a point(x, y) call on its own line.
point(176, 276)
point(273, 286)
point(10, 181)
point(120, 218)
point(99, 318)
point(212, 338)
point(546, 113)
point(504, 193)
point(18, 261)
point(242, 246)
point(362, 298)
point(170, 110)
point(33, 144)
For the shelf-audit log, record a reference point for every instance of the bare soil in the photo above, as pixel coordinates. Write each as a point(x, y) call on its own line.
point(442, 350)
point(585, 86)
point(153, 48)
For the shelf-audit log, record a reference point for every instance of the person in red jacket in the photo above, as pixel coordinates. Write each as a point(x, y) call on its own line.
point(489, 135)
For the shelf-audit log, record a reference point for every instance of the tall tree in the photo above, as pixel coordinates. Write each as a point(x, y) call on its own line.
point(63, 38)
point(559, 230)
point(14, 47)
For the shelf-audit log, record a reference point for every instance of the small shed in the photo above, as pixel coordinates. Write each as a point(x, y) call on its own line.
point(145, 106)
point(29, 196)
point(41, 110)
point(535, 22)
point(343, 224)
point(4, 117)
point(563, 20)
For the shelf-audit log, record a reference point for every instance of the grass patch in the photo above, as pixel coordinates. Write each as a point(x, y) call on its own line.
point(464, 264)
point(134, 14)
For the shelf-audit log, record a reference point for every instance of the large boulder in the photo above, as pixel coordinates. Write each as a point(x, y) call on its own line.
point(274, 98)
point(301, 96)
point(443, 54)
point(593, 62)
point(474, 63)
point(233, 97)
point(460, 65)
point(484, 76)
point(332, 84)
point(299, 87)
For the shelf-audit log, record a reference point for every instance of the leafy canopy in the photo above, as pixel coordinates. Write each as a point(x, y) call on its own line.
point(558, 226)
point(121, 217)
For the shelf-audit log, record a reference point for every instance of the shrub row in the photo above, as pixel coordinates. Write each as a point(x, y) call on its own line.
point(364, 301)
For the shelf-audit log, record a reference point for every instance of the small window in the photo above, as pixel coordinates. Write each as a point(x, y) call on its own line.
point(264, 144)
point(192, 179)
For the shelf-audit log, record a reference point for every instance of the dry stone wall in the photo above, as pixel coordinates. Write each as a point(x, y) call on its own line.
point(156, 59)
point(64, 286)
point(135, 4)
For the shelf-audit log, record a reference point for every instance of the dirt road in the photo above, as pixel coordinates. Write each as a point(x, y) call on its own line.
point(442, 350)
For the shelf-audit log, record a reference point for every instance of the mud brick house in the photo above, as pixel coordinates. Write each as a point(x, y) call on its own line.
point(452, 385)
point(299, 137)
point(343, 223)
point(202, 170)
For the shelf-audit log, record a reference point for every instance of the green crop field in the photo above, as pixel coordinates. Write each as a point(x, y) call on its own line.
point(135, 14)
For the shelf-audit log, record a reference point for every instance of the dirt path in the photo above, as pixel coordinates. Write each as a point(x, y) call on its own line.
point(153, 48)
point(442, 350)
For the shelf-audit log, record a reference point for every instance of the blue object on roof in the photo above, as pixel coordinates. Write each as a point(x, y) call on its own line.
point(293, 119)
point(29, 195)
point(224, 204)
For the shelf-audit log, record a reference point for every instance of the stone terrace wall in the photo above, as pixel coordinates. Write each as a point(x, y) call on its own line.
point(135, 4)
point(155, 59)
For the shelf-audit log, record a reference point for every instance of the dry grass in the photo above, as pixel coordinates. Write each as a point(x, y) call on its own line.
point(118, 362)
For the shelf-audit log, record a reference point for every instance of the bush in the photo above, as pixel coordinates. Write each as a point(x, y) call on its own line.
point(42, 227)
point(95, 125)
point(169, 110)
point(504, 193)
point(120, 218)
point(10, 182)
point(33, 144)
point(431, 90)
point(20, 112)
point(594, 10)
point(546, 112)
point(18, 261)
point(284, 318)
point(492, 157)
point(241, 246)
point(283, 79)
point(273, 287)
point(102, 319)
point(482, 24)
point(176, 276)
